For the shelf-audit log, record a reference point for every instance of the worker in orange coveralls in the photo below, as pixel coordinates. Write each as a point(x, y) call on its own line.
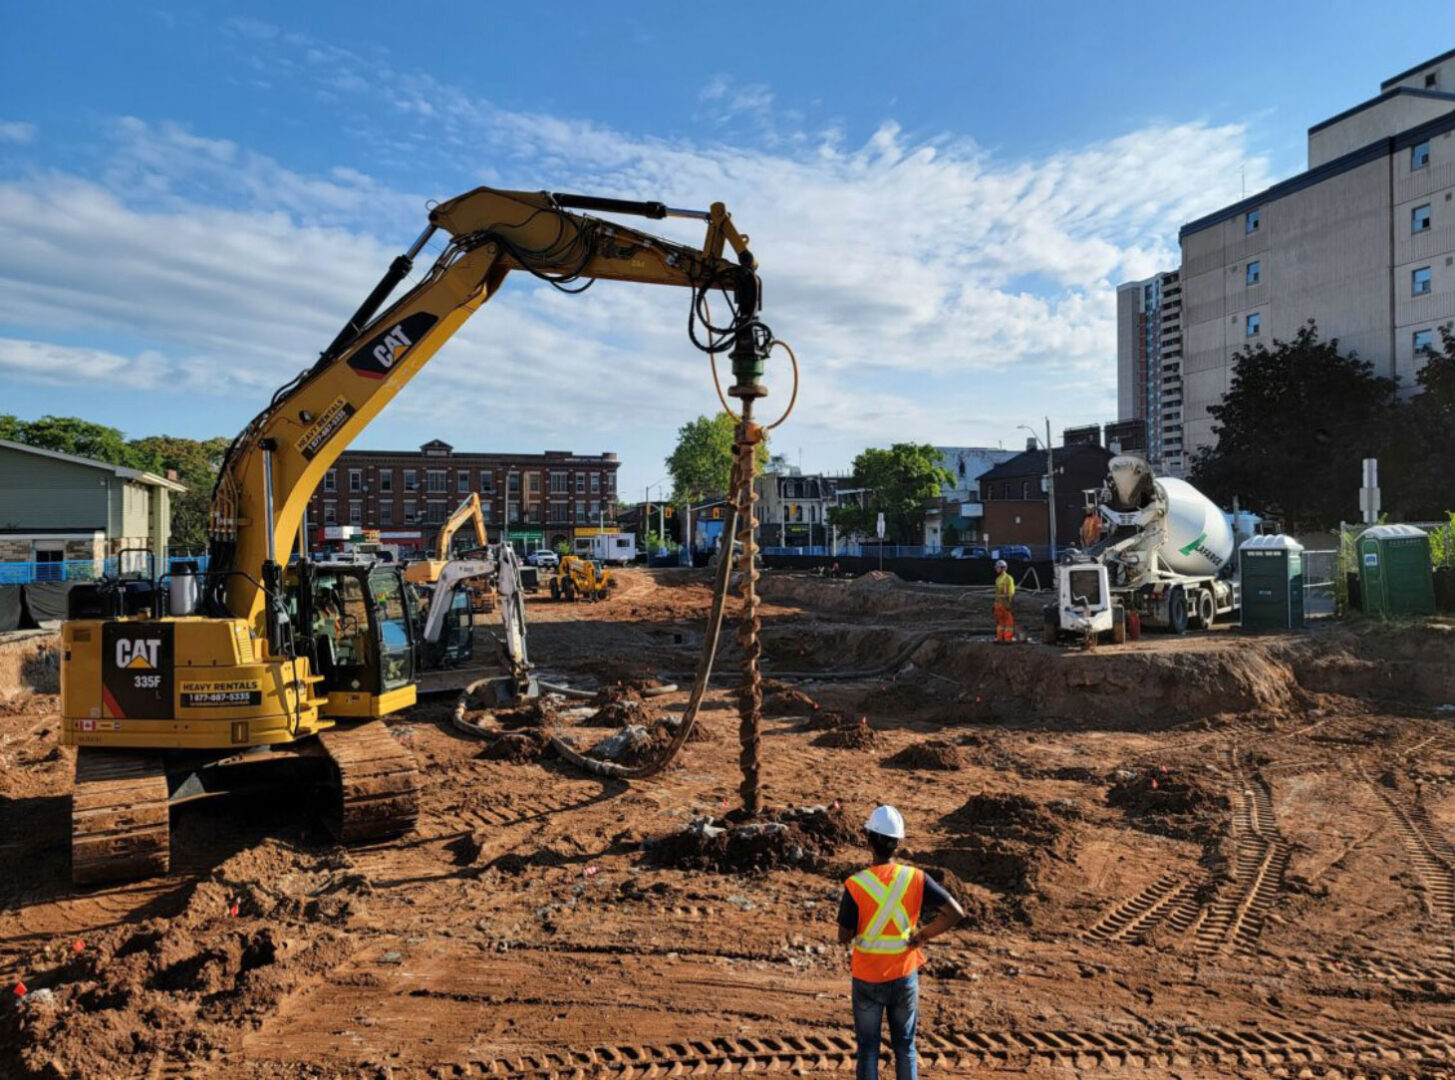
point(1090, 528)
point(1004, 594)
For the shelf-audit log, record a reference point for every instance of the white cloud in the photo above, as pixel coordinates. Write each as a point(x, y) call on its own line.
point(16, 131)
point(933, 289)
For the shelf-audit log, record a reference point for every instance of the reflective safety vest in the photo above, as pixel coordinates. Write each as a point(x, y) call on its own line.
point(888, 898)
point(1004, 588)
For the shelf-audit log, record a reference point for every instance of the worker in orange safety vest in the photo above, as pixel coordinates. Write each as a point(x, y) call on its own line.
point(880, 915)
point(1090, 528)
point(1004, 594)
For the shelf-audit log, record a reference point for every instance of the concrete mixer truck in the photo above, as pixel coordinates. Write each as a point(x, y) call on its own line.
point(1165, 551)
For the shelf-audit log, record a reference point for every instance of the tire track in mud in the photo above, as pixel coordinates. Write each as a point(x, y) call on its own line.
point(1433, 855)
point(1170, 899)
point(811, 1053)
point(1233, 921)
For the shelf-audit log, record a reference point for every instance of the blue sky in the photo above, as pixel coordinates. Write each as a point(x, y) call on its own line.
point(942, 196)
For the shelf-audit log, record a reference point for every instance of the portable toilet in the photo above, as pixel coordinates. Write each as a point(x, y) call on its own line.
point(1272, 576)
point(1395, 576)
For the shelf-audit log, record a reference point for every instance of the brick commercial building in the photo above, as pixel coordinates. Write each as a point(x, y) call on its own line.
point(544, 499)
point(1015, 500)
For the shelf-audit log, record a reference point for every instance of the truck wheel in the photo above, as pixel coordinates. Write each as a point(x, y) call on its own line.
point(1118, 625)
point(1177, 611)
point(1050, 625)
point(555, 590)
point(1207, 609)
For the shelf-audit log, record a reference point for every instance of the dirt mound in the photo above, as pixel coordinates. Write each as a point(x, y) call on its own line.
point(1004, 841)
point(633, 744)
point(856, 735)
point(265, 922)
point(789, 702)
point(516, 747)
point(875, 581)
point(828, 720)
point(802, 838)
point(1169, 802)
point(929, 754)
point(979, 904)
point(619, 706)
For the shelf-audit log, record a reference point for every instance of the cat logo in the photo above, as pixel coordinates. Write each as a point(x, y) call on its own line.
point(378, 356)
point(138, 653)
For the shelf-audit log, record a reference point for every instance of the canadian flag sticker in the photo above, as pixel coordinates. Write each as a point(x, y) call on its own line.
point(88, 725)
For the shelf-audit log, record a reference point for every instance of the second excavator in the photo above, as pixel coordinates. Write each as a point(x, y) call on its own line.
point(172, 690)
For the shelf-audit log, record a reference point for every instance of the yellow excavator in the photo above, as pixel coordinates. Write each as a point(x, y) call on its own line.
point(180, 688)
point(580, 579)
point(427, 571)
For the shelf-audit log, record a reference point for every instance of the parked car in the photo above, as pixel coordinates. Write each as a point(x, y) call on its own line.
point(1014, 551)
point(971, 552)
point(543, 557)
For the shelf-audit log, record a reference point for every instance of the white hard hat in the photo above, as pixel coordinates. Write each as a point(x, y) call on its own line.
point(1000, 564)
point(886, 821)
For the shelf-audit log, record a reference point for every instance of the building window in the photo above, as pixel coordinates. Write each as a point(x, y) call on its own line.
point(487, 483)
point(559, 483)
point(435, 512)
point(580, 483)
point(1253, 325)
point(1420, 281)
point(558, 509)
point(330, 513)
point(386, 480)
point(356, 512)
point(330, 480)
point(580, 509)
point(389, 512)
point(411, 481)
point(1424, 342)
point(1420, 219)
point(462, 481)
point(1251, 221)
point(1025, 489)
point(488, 509)
point(533, 483)
point(596, 483)
point(1432, 80)
point(1254, 273)
point(1419, 155)
point(436, 481)
point(410, 511)
point(512, 485)
point(356, 480)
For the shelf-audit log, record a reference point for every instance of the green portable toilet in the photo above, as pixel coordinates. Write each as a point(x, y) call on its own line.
point(1395, 576)
point(1271, 569)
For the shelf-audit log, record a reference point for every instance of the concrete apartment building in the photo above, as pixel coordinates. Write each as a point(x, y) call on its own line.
point(1363, 242)
point(58, 509)
point(1149, 367)
point(406, 495)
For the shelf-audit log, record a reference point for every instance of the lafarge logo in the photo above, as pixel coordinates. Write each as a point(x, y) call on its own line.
point(382, 353)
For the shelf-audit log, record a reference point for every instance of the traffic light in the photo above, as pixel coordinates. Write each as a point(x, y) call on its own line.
point(667, 511)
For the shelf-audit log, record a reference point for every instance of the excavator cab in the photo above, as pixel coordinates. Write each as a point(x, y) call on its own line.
point(359, 630)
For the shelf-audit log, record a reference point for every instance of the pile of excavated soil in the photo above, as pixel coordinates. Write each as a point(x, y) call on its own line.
point(828, 720)
point(633, 745)
point(802, 838)
point(1169, 802)
point(30, 664)
point(897, 697)
point(618, 706)
point(930, 754)
point(263, 924)
point(1003, 841)
point(789, 702)
point(516, 747)
point(855, 735)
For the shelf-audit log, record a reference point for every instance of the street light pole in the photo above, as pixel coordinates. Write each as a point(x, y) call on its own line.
point(1051, 488)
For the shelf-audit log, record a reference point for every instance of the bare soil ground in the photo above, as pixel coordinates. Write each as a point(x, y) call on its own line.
point(1226, 855)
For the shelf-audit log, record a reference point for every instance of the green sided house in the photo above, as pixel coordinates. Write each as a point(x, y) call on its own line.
point(62, 516)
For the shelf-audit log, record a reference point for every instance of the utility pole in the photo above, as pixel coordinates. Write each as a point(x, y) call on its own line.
point(1051, 488)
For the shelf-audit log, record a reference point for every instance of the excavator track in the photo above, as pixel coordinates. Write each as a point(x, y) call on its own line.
point(119, 817)
point(378, 783)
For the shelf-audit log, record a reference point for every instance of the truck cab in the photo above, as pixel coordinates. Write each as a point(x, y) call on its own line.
point(1085, 605)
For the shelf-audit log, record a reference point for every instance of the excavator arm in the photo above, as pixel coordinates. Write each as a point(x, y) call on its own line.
point(469, 510)
point(276, 462)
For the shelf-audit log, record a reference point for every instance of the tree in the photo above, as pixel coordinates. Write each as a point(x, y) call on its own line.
point(196, 464)
point(72, 435)
point(901, 481)
point(1420, 460)
point(1293, 428)
point(702, 463)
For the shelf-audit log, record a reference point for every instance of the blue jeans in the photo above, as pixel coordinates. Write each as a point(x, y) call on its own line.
point(900, 999)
